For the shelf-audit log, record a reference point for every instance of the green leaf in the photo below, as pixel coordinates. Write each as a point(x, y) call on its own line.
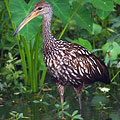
point(45, 103)
point(41, 62)
point(106, 5)
point(36, 101)
point(96, 29)
point(83, 17)
point(61, 9)
point(102, 14)
point(116, 22)
point(19, 11)
point(117, 1)
point(78, 117)
point(57, 106)
point(113, 48)
point(12, 114)
point(50, 96)
point(75, 112)
point(84, 43)
point(20, 115)
point(66, 107)
point(66, 113)
point(64, 103)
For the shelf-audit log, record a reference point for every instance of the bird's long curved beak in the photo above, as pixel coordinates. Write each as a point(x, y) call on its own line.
point(32, 15)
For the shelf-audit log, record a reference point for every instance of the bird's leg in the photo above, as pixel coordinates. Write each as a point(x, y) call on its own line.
point(78, 90)
point(61, 92)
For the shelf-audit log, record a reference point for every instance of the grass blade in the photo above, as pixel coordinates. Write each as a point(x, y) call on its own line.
point(28, 55)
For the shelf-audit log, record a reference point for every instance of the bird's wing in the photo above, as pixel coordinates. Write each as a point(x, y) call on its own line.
point(84, 67)
point(71, 63)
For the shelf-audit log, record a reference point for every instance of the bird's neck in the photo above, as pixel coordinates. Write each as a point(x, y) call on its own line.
point(46, 32)
point(46, 27)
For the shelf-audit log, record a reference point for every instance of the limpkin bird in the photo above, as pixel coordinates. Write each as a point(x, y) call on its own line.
point(68, 63)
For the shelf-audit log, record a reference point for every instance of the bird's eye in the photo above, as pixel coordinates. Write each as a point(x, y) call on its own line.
point(39, 8)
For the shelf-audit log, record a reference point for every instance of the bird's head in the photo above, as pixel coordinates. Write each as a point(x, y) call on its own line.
point(41, 8)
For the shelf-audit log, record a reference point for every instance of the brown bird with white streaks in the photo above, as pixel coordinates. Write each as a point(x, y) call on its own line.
point(68, 63)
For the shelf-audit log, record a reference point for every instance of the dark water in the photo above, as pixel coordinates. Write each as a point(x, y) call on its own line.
point(42, 106)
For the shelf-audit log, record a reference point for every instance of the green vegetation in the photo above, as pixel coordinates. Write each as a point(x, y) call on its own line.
point(94, 24)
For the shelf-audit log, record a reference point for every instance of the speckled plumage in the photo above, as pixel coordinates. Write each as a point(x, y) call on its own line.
point(68, 63)
point(72, 64)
